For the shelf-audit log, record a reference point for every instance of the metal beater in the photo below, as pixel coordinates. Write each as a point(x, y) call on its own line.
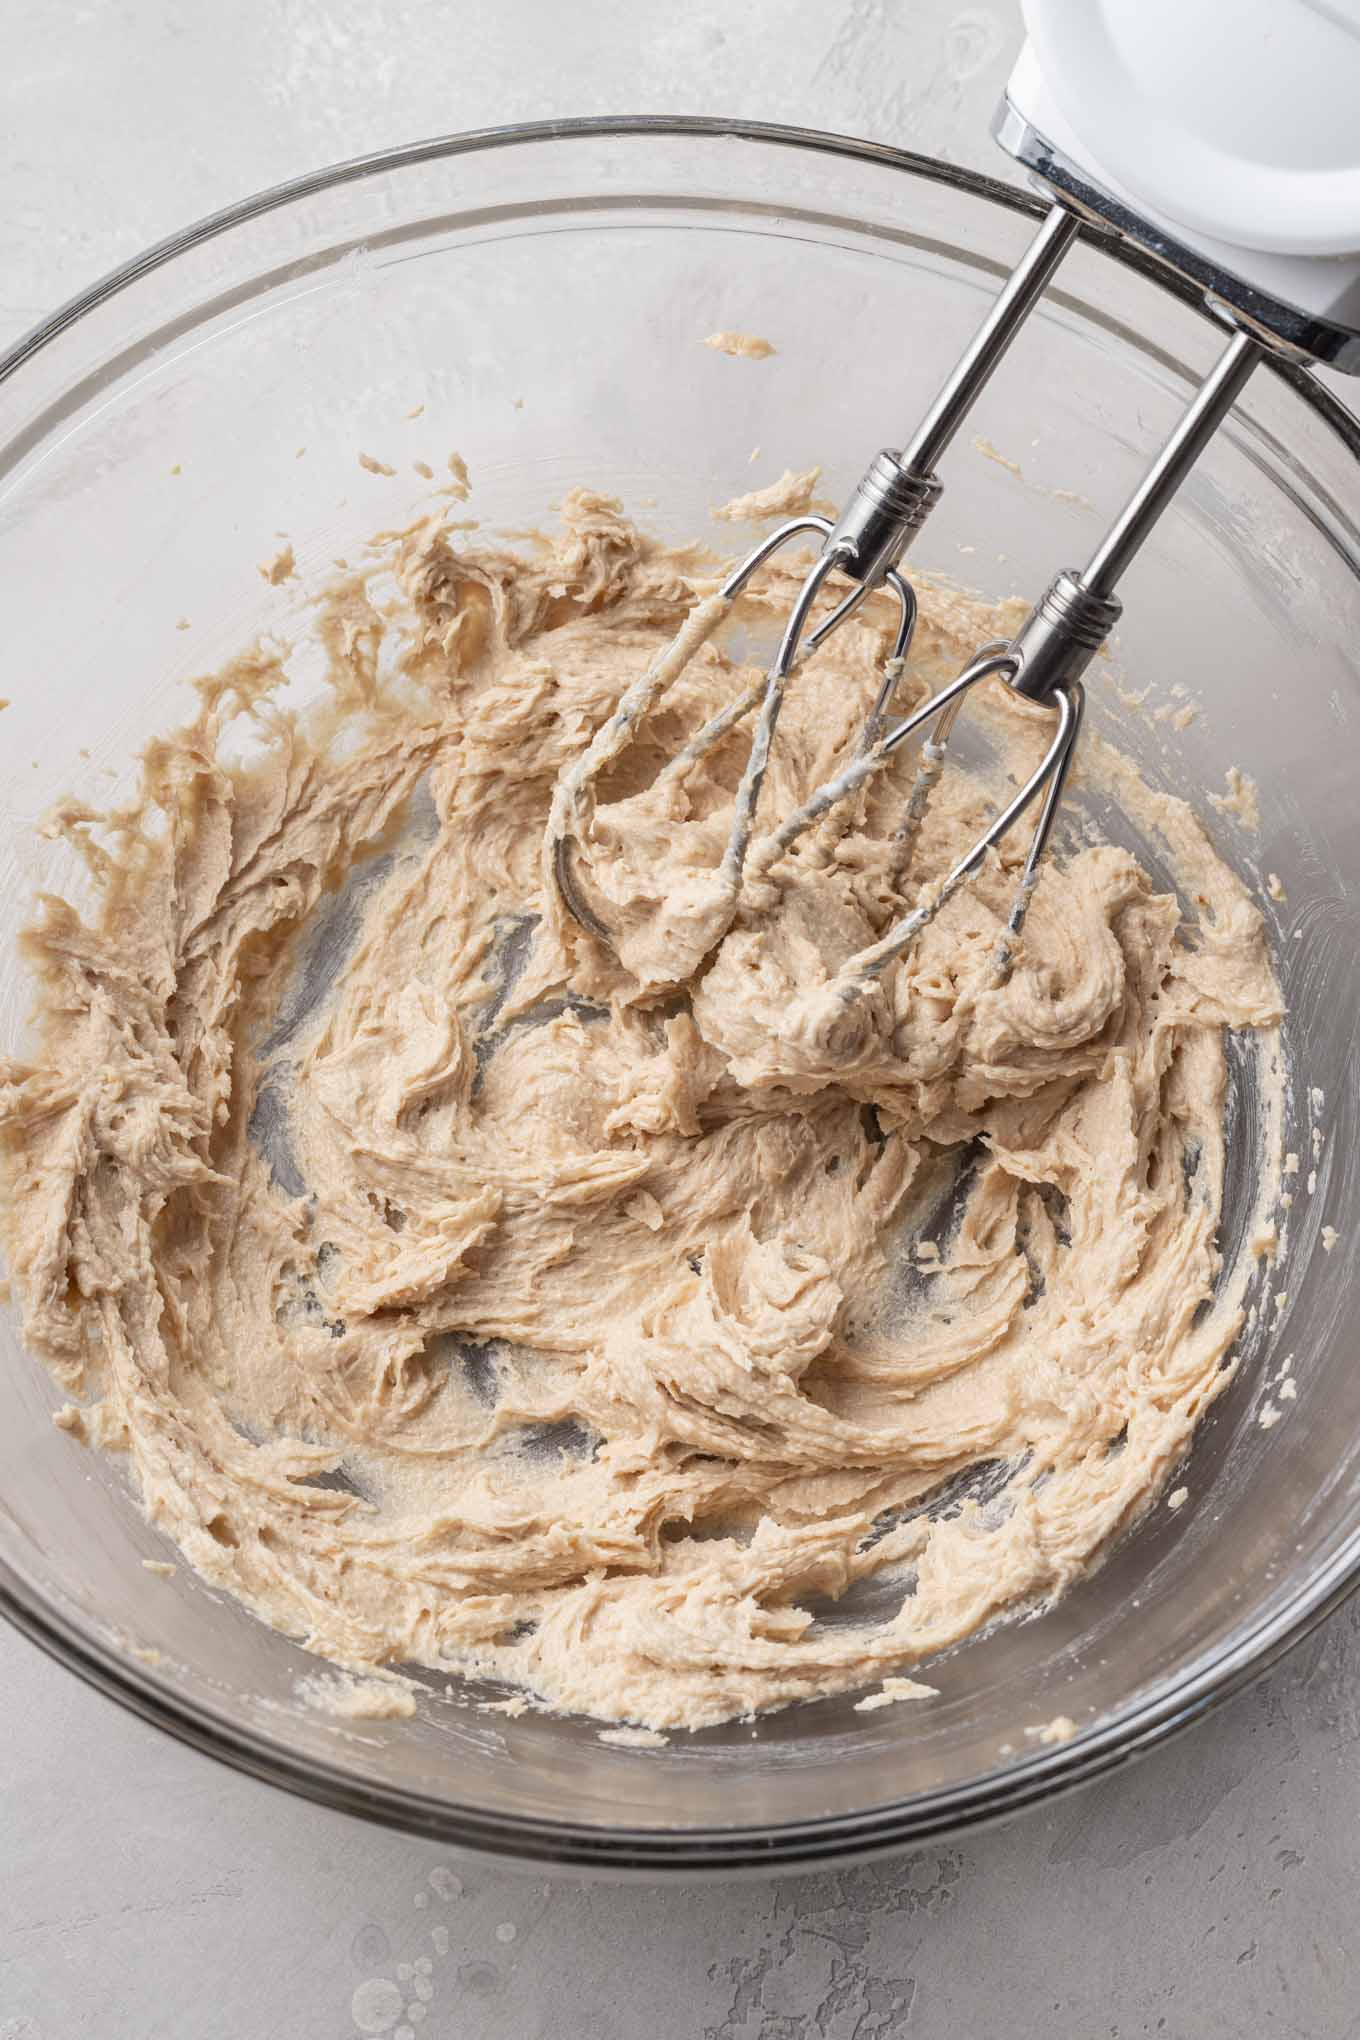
point(1292, 298)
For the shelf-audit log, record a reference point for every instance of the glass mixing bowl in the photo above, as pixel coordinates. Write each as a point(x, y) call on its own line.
point(543, 293)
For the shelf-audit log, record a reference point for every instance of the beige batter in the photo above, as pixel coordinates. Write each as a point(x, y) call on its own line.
point(597, 1329)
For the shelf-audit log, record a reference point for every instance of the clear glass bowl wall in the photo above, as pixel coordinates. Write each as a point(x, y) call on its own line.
point(543, 295)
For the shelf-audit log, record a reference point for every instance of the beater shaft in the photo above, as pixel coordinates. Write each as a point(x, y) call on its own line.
point(899, 489)
point(1215, 398)
point(1077, 612)
point(1023, 288)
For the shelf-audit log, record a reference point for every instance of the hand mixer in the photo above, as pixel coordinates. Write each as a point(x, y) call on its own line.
point(1225, 142)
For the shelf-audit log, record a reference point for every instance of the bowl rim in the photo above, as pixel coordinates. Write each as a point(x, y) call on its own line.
point(1172, 1704)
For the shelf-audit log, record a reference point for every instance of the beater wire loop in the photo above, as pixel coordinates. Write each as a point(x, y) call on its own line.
point(573, 798)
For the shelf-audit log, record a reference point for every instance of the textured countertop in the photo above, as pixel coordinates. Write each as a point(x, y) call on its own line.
point(144, 1891)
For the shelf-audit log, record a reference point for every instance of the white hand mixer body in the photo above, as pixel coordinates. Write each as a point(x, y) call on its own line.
point(1222, 137)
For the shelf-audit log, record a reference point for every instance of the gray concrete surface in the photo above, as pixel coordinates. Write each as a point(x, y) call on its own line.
point(143, 1892)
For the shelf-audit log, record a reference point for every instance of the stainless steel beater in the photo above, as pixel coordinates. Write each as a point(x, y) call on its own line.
point(865, 543)
point(1292, 297)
